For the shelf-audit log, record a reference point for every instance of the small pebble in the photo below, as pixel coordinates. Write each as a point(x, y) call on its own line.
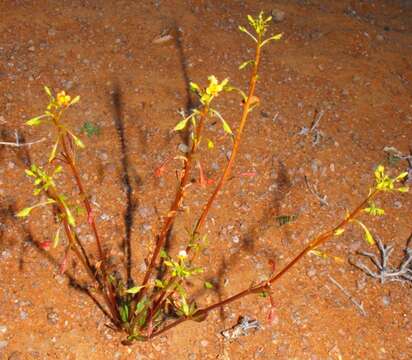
point(278, 15)
point(183, 148)
point(23, 315)
point(3, 329)
point(235, 239)
point(311, 272)
point(204, 343)
point(3, 344)
point(386, 300)
point(52, 317)
point(380, 37)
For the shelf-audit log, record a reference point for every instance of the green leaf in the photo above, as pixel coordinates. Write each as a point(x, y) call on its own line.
point(194, 87)
point(90, 129)
point(210, 144)
point(56, 239)
point(35, 121)
point(272, 38)
point(243, 29)
point(124, 312)
point(225, 125)
point(401, 176)
point(319, 253)
point(75, 100)
point(208, 285)
point(29, 172)
point(403, 189)
point(25, 212)
point(159, 284)
point(135, 289)
point(374, 210)
point(78, 142)
point(47, 90)
point(339, 231)
point(367, 234)
point(246, 63)
point(181, 124)
point(54, 150)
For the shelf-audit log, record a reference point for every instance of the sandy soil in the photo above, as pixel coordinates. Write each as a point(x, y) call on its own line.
point(350, 60)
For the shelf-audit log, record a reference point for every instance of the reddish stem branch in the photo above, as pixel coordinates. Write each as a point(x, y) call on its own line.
point(161, 238)
point(107, 289)
point(265, 285)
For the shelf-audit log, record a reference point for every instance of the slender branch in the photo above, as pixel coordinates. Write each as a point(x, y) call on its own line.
point(109, 296)
point(349, 296)
point(248, 104)
point(161, 238)
point(18, 144)
point(265, 285)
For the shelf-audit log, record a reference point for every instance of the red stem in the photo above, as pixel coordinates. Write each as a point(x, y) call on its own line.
point(319, 240)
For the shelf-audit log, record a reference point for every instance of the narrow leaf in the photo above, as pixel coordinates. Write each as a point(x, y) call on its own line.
point(25, 212)
point(75, 100)
point(47, 90)
point(181, 124)
point(208, 285)
point(35, 121)
point(56, 239)
point(367, 234)
point(339, 232)
point(53, 152)
point(135, 289)
point(246, 63)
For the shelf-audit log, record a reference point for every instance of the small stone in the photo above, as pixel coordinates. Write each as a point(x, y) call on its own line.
point(6, 254)
point(68, 84)
point(386, 300)
point(51, 32)
point(215, 166)
point(102, 155)
point(345, 92)
point(23, 315)
point(264, 114)
point(235, 239)
point(183, 148)
point(397, 204)
point(311, 272)
point(31, 48)
point(3, 329)
point(278, 15)
point(2, 119)
point(380, 37)
point(146, 227)
point(52, 317)
point(104, 217)
point(3, 344)
point(204, 343)
point(145, 212)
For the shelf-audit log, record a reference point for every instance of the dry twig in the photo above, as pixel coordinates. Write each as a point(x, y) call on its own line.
point(385, 272)
point(358, 304)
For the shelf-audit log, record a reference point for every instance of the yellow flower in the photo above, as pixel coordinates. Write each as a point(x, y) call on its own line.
point(63, 99)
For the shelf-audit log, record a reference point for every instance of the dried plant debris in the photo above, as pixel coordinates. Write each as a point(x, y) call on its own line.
point(394, 155)
point(313, 129)
point(286, 219)
point(314, 191)
point(242, 328)
point(384, 272)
